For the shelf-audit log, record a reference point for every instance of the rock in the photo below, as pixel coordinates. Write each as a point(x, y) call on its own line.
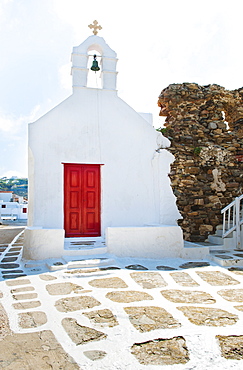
point(128, 296)
point(38, 350)
point(8, 265)
point(188, 265)
point(114, 282)
point(18, 282)
point(22, 289)
point(95, 355)
point(63, 288)
point(13, 276)
point(9, 259)
point(150, 318)
point(212, 125)
point(47, 277)
point(81, 334)
point(208, 316)
point(20, 297)
point(217, 278)
point(165, 268)
point(32, 319)
point(161, 351)
point(231, 346)
point(232, 295)
point(26, 305)
point(136, 267)
point(205, 229)
point(187, 296)
point(183, 279)
point(76, 303)
point(4, 324)
point(103, 318)
point(148, 280)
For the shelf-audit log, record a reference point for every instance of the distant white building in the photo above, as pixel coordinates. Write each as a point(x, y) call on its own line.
point(99, 170)
point(12, 207)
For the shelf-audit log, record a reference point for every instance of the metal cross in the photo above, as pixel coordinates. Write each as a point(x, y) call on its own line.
point(95, 27)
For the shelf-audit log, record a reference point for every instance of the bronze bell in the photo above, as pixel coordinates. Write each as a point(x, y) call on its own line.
point(95, 66)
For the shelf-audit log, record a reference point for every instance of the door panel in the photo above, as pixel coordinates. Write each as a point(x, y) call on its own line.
point(81, 200)
point(74, 221)
point(74, 199)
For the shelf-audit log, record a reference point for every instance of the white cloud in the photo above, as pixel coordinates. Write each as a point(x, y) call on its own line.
point(11, 125)
point(11, 173)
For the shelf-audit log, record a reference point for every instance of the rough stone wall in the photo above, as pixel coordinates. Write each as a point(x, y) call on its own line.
point(207, 173)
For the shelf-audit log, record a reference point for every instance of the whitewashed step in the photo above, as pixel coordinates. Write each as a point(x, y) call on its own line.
point(215, 239)
point(219, 232)
point(195, 251)
point(227, 242)
point(83, 243)
point(84, 246)
point(223, 261)
point(90, 262)
point(71, 262)
point(85, 251)
point(219, 227)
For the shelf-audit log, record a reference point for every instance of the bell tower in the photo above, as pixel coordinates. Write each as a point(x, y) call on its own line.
point(107, 61)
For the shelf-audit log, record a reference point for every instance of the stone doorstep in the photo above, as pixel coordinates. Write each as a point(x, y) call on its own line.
point(91, 262)
point(69, 262)
point(83, 243)
point(85, 251)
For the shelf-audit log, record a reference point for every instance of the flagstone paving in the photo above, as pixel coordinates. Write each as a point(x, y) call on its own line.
point(134, 314)
point(151, 318)
point(183, 279)
point(161, 351)
point(231, 346)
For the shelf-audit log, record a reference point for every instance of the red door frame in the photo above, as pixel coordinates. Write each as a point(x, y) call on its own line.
point(82, 200)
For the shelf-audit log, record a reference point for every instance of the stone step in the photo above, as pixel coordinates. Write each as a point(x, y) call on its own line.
point(220, 227)
point(85, 251)
point(83, 243)
point(90, 262)
point(226, 260)
point(72, 262)
point(217, 239)
point(195, 250)
point(84, 246)
point(219, 232)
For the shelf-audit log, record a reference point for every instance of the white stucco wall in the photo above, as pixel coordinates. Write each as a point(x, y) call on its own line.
point(96, 126)
point(148, 242)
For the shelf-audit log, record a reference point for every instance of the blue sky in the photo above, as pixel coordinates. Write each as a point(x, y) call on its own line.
point(157, 42)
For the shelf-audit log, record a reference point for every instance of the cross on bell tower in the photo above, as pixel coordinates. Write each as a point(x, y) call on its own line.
point(95, 27)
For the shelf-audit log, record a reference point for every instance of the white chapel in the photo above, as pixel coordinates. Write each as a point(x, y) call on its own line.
point(98, 171)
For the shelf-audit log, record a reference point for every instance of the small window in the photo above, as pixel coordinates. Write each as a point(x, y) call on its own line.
point(24, 210)
point(3, 205)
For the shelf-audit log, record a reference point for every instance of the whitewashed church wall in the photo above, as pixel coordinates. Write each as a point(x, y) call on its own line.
point(95, 126)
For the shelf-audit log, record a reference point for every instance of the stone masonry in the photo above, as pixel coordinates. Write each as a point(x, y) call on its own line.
point(205, 126)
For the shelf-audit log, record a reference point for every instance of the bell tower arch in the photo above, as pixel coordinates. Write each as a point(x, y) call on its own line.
point(107, 62)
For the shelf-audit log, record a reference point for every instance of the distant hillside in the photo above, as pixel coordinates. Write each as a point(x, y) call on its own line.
point(18, 186)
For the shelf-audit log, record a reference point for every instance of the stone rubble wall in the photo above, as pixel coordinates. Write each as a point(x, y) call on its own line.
point(205, 126)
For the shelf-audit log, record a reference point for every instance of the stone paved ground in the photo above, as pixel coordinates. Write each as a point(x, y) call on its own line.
point(135, 314)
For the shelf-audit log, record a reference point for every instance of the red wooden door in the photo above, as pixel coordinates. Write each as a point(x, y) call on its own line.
point(81, 200)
